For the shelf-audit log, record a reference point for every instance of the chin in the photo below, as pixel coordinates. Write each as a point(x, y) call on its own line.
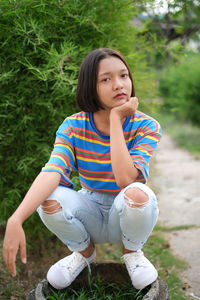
point(121, 102)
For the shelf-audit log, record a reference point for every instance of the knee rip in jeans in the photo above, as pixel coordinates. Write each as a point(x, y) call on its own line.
point(135, 197)
point(51, 206)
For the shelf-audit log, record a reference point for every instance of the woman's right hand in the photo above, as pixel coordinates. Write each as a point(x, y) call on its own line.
point(14, 239)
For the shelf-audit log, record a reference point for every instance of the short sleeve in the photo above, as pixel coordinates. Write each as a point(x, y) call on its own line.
point(62, 159)
point(146, 141)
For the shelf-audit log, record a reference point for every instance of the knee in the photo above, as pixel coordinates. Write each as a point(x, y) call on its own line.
point(51, 206)
point(135, 197)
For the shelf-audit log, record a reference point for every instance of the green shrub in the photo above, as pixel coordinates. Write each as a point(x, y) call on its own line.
point(42, 44)
point(180, 88)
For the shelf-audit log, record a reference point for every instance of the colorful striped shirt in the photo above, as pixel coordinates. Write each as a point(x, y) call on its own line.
point(80, 146)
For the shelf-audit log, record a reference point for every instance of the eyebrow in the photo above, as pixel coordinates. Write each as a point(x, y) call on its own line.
point(107, 73)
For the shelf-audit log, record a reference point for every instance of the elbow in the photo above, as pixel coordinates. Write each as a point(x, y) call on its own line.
point(121, 185)
point(126, 178)
point(123, 182)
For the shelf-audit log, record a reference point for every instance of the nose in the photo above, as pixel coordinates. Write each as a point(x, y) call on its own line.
point(117, 84)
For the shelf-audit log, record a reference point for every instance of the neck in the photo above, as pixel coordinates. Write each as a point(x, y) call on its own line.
point(101, 120)
point(102, 116)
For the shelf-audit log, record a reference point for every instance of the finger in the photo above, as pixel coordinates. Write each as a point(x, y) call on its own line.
point(5, 255)
point(134, 99)
point(11, 262)
point(14, 273)
point(134, 102)
point(23, 252)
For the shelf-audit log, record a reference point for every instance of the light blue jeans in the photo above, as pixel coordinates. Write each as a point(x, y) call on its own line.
point(103, 218)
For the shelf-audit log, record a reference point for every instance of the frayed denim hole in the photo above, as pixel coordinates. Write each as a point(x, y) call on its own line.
point(146, 204)
point(139, 209)
point(137, 187)
point(51, 215)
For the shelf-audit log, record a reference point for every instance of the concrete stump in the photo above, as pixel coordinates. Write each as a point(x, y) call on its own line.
point(109, 273)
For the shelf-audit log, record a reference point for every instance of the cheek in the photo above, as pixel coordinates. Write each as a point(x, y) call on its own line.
point(102, 91)
point(130, 87)
point(99, 91)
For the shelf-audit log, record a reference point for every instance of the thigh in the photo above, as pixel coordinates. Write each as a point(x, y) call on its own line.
point(73, 201)
point(118, 213)
point(79, 206)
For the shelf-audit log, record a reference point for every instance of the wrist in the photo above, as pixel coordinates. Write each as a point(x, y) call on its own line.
point(16, 220)
point(115, 115)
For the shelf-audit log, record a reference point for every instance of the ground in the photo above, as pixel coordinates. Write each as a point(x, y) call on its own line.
point(176, 180)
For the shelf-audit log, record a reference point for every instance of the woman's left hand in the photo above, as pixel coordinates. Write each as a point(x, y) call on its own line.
point(127, 109)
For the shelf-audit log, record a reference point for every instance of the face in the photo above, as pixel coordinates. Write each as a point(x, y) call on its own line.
point(114, 85)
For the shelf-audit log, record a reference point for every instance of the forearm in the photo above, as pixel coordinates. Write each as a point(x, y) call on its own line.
point(122, 163)
point(42, 187)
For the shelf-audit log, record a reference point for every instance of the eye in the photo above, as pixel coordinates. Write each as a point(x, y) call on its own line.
point(106, 79)
point(125, 75)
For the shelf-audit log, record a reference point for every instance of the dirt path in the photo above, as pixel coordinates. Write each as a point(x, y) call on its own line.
point(177, 183)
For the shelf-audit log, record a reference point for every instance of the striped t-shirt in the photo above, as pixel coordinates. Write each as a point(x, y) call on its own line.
point(80, 146)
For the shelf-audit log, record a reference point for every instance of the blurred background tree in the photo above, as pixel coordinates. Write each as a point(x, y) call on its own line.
point(172, 20)
point(42, 44)
point(175, 25)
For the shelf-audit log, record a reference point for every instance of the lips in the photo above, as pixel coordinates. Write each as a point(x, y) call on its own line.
point(120, 96)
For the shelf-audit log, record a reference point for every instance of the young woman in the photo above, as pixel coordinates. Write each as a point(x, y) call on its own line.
point(110, 143)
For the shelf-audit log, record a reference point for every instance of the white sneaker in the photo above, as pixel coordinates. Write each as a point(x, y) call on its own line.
point(141, 271)
point(63, 273)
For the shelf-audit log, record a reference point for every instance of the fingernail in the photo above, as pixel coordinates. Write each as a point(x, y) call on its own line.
point(24, 260)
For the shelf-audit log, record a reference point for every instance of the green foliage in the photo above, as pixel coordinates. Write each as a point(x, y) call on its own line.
point(172, 24)
point(180, 88)
point(42, 44)
point(100, 290)
point(171, 20)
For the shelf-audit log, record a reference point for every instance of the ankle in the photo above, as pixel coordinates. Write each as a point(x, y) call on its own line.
point(126, 251)
point(88, 251)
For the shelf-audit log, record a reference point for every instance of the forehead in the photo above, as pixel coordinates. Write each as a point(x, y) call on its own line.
point(111, 64)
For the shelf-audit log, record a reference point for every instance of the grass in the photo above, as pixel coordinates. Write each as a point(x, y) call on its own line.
point(173, 228)
point(99, 290)
point(183, 132)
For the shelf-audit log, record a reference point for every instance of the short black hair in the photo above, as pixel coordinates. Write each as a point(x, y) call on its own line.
point(86, 93)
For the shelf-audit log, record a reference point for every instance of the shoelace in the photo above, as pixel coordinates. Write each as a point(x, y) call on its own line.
point(132, 263)
point(73, 259)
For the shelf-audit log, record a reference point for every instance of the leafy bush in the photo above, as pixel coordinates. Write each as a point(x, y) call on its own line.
point(180, 87)
point(42, 44)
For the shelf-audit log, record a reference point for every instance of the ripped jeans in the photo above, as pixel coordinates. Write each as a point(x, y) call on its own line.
point(86, 215)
